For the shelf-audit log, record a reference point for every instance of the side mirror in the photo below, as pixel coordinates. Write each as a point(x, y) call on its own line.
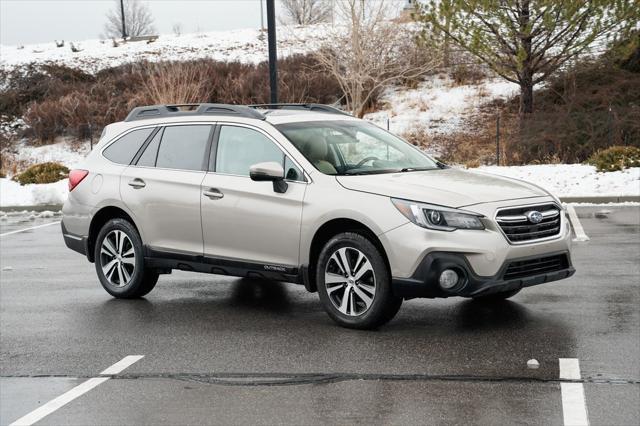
point(269, 171)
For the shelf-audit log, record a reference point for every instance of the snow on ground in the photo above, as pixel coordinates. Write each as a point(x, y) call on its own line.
point(246, 45)
point(437, 104)
point(574, 180)
point(13, 194)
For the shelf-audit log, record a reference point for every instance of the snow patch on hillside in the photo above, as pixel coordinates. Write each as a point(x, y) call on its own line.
point(246, 45)
point(68, 153)
point(437, 104)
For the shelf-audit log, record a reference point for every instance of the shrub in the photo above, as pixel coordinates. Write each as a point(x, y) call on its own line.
point(57, 101)
point(463, 74)
point(42, 173)
point(33, 83)
point(2, 174)
point(616, 158)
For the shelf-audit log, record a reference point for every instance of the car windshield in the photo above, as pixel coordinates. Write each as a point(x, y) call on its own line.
point(345, 147)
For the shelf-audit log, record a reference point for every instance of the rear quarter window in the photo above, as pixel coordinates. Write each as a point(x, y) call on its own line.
point(184, 147)
point(125, 148)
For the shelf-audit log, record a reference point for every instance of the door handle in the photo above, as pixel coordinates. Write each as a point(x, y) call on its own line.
point(137, 183)
point(213, 193)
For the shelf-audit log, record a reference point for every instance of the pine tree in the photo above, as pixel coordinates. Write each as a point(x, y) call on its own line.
point(525, 41)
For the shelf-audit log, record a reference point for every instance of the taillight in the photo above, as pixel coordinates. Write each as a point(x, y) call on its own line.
point(75, 177)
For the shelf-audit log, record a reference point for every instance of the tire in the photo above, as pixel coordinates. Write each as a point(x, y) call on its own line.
point(120, 267)
point(496, 297)
point(378, 306)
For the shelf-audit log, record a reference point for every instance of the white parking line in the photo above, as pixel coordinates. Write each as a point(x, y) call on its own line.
point(121, 365)
point(59, 402)
point(29, 229)
point(577, 226)
point(574, 407)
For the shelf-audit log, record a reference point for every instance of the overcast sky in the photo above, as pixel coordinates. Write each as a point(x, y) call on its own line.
point(34, 21)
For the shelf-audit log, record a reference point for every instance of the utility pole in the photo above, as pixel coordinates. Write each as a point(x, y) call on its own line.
point(273, 57)
point(124, 26)
point(261, 16)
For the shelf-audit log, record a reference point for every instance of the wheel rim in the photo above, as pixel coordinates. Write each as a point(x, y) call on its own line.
point(117, 258)
point(350, 281)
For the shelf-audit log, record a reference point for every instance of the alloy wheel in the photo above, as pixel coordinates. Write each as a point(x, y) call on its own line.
point(350, 281)
point(117, 258)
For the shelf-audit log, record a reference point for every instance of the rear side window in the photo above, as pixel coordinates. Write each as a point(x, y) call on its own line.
point(240, 148)
point(148, 157)
point(124, 149)
point(183, 147)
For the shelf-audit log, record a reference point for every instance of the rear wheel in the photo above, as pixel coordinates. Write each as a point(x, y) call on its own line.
point(495, 297)
point(119, 261)
point(354, 283)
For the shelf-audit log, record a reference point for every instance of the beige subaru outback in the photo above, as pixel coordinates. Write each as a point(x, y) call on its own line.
point(304, 193)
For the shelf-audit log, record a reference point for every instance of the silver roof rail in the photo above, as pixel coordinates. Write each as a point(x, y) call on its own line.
point(176, 110)
point(302, 106)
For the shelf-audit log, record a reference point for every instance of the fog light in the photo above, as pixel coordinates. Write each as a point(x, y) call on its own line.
point(448, 279)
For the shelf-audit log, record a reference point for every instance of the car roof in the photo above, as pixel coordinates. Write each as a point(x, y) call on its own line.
point(274, 116)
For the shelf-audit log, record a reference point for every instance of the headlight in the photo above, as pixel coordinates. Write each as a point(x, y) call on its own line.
point(438, 217)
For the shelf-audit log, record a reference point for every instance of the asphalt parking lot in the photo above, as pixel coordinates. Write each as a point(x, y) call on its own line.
point(227, 350)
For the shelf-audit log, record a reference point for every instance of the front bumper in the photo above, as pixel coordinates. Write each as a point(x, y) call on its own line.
point(424, 282)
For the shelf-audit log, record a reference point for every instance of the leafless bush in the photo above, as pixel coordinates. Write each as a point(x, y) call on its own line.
point(371, 53)
point(174, 83)
point(462, 74)
point(61, 101)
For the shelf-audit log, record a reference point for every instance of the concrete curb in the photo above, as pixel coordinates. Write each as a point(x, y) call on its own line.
point(602, 200)
point(35, 208)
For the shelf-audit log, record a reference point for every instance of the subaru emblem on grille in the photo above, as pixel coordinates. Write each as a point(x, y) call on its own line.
point(534, 216)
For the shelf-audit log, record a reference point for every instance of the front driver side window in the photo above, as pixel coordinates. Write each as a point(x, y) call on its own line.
point(240, 148)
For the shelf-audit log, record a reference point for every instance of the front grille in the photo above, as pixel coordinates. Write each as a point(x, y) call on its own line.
point(518, 227)
point(541, 265)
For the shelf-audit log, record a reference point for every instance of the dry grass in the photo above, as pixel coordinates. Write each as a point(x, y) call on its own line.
point(61, 101)
point(174, 83)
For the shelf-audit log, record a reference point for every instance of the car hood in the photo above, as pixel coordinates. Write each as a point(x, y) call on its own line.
point(447, 187)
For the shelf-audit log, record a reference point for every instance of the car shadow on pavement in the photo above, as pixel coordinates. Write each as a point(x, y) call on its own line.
point(260, 294)
point(480, 315)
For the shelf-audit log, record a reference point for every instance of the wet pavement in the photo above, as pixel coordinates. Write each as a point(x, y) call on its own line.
point(228, 350)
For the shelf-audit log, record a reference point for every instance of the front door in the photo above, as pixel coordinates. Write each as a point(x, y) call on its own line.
point(246, 220)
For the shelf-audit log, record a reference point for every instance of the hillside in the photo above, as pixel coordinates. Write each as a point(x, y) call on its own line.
point(246, 46)
point(427, 115)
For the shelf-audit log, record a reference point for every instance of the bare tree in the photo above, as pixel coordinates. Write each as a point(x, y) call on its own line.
point(372, 52)
point(137, 18)
point(307, 12)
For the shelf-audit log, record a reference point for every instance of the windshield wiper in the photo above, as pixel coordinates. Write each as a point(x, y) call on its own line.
point(368, 172)
point(415, 169)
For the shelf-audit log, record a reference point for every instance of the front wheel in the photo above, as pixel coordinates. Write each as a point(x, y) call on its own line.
point(354, 283)
point(119, 261)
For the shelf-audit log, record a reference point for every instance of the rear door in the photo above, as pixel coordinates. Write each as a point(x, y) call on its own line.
point(162, 187)
point(247, 220)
